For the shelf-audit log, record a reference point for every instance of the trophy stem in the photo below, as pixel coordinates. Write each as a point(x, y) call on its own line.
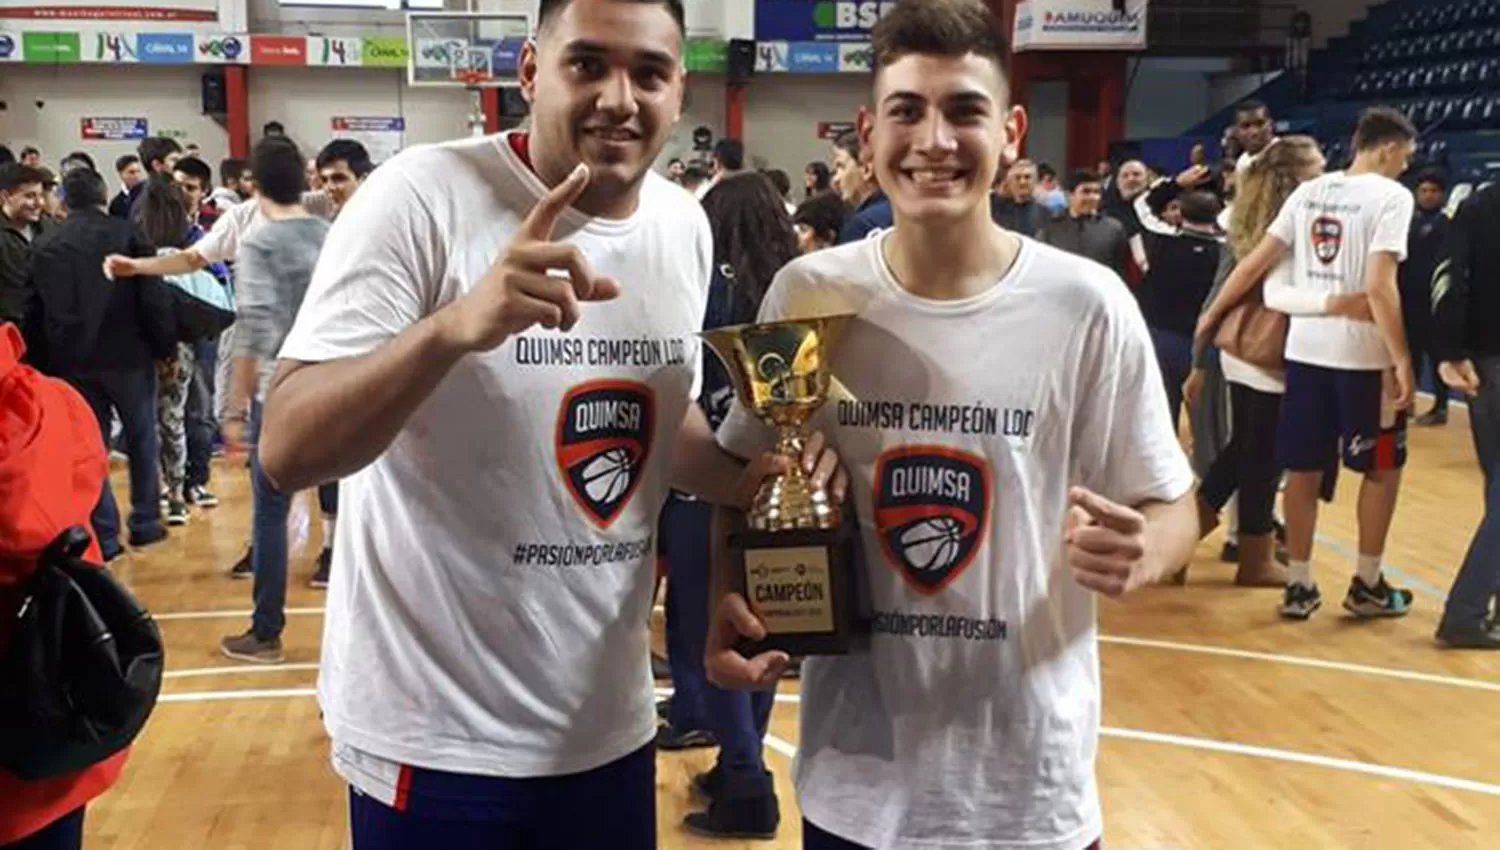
point(788, 500)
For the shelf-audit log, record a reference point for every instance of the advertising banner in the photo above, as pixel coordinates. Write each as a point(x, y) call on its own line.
point(10, 47)
point(221, 49)
point(113, 129)
point(818, 20)
point(108, 47)
point(278, 50)
point(164, 48)
point(1080, 25)
point(112, 10)
point(326, 51)
point(49, 48)
point(384, 52)
point(381, 136)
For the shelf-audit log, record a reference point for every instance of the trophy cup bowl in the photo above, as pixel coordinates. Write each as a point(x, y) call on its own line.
point(794, 560)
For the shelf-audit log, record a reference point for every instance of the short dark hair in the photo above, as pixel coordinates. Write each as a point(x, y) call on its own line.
point(124, 162)
point(821, 175)
point(1434, 177)
point(695, 174)
point(83, 189)
point(1200, 207)
point(278, 169)
point(1082, 177)
point(1380, 125)
point(231, 169)
point(14, 175)
point(730, 153)
point(824, 213)
point(1246, 107)
point(77, 158)
point(6, 157)
point(194, 167)
point(550, 9)
point(951, 28)
point(349, 152)
point(29, 151)
point(1045, 171)
point(157, 149)
point(848, 142)
point(273, 128)
point(161, 214)
point(780, 180)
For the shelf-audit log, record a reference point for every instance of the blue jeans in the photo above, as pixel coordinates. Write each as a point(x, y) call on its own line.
point(268, 555)
point(1478, 582)
point(613, 806)
point(132, 394)
point(1174, 353)
point(65, 833)
point(737, 719)
point(200, 422)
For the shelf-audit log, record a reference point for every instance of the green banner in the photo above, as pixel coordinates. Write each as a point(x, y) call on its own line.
point(385, 52)
point(707, 55)
point(49, 48)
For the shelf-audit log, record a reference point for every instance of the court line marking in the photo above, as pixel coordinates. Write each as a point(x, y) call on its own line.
point(224, 615)
point(1207, 744)
point(1145, 643)
point(1304, 661)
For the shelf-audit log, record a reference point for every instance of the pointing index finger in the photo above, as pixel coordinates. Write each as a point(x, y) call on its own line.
point(543, 217)
point(1106, 513)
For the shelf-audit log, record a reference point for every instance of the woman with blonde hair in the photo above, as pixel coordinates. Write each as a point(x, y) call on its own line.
point(1248, 465)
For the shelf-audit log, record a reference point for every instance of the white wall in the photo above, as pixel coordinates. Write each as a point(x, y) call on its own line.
point(170, 98)
point(1332, 18)
point(1168, 95)
point(306, 99)
point(1047, 109)
point(782, 113)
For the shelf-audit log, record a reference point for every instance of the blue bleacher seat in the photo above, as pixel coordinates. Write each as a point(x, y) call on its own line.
point(1468, 117)
point(1464, 43)
point(1468, 74)
point(1490, 118)
point(1447, 77)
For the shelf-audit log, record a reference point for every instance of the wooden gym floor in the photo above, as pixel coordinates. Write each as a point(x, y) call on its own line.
point(1226, 729)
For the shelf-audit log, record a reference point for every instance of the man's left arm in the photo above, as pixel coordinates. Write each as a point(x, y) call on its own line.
point(703, 468)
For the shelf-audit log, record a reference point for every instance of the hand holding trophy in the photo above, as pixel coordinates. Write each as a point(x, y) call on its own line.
point(793, 564)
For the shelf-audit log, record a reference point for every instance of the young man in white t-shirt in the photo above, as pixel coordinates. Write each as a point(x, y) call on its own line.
point(1348, 380)
point(1007, 391)
point(497, 356)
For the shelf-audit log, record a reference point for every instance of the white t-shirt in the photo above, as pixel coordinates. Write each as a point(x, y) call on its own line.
point(493, 569)
point(221, 244)
point(1332, 226)
point(973, 719)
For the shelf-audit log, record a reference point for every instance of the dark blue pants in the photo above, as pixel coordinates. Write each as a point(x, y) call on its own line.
point(612, 807)
point(816, 839)
point(65, 833)
point(1174, 353)
point(268, 555)
point(736, 718)
point(1478, 582)
point(328, 502)
point(199, 419)
point(132, 394)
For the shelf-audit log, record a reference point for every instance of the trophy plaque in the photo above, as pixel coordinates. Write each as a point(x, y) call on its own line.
point(794, 562)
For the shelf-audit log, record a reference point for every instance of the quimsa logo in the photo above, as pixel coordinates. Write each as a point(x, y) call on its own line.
point(604, 431)
point(932, 506)
point(1327, 238)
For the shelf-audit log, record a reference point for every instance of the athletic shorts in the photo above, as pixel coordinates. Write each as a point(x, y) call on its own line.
point(612, 807)
point(1326, 411)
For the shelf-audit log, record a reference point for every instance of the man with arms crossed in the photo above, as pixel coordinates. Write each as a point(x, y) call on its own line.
point(1006, 392)
point(506, 441)
point(1348, 381)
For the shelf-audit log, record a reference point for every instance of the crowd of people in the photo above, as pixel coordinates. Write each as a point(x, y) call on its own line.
point(412, 347)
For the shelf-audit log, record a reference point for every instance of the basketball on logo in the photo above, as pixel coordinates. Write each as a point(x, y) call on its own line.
point(604, 431)
point(1327, 238)
point(932, 512)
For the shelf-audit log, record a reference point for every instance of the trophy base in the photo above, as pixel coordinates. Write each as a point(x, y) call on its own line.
point(801, 584)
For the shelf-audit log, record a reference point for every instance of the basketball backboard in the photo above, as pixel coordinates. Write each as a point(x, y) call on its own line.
point(465, 49)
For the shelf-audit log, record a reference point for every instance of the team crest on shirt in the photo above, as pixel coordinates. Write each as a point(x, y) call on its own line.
point(604, 431)
point(932, 506)
point(1327, 238)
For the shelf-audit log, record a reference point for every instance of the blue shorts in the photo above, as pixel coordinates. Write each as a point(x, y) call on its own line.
point(613, 806)
point(1326, 411)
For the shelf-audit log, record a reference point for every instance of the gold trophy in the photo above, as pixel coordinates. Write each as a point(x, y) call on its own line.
point(794, 562)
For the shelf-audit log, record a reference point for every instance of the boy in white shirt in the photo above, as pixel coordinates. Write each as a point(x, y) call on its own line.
point(506, 440)
point(1348, 380)
point(1020, 379)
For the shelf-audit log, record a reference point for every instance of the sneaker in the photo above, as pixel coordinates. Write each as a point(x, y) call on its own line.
point(109, 550)
point(177, 513)
point(248, 647)
point(1433, 418)
point(141, 539)
point(663, 709)
point(710, 783)
point(200, 496)
point(670, 739)
point(243, 568)
point(740, 813)
point(1382, 600)
point(320, 575)
point(1299, 602)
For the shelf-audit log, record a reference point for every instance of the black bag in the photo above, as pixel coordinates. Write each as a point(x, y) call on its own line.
point(82, 670)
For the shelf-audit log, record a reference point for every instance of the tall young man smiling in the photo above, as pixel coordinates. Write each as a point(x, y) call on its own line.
point(497, 355)
point(1062, 479)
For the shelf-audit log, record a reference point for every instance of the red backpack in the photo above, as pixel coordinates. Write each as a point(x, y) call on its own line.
point(80, 661)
